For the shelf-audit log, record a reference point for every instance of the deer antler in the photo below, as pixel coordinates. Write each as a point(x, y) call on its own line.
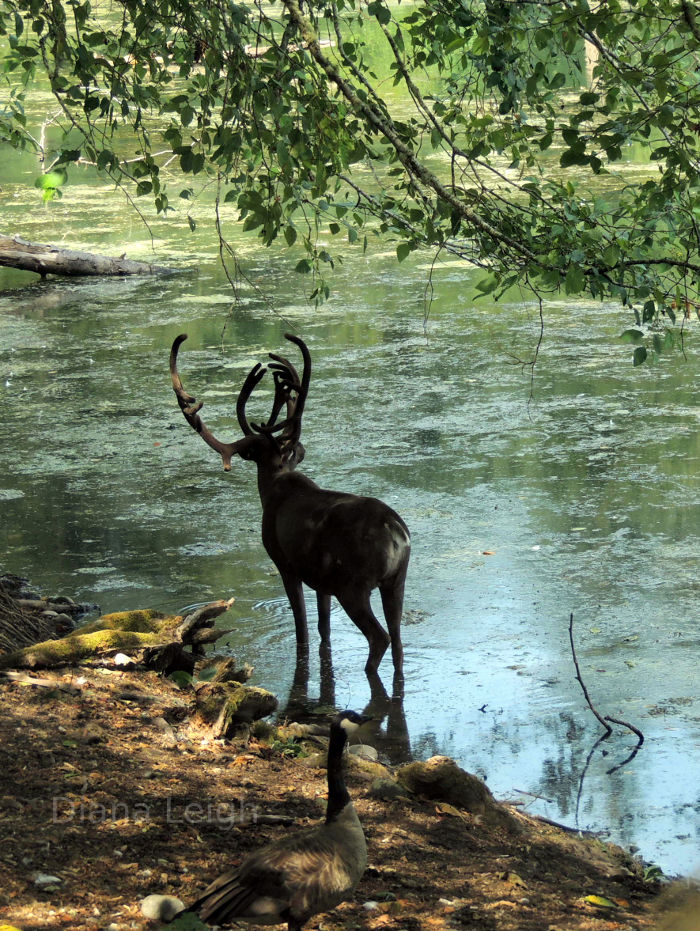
point(289, 389)
point(292, 436)
point(190, 407)
point(254, 376)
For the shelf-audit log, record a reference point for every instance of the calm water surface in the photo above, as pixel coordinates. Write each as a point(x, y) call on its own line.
point(583, 499)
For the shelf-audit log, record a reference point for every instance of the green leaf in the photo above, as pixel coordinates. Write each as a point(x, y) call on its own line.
point(290, 235)
point(611, 255)
point(51, 180)
point(181, 678)
point(559, 80)
point(488, 284)
point(575, 280)
point(600, 901)
point(381, 12)
point(573, 157)
point(69, 155)
point(402, 250)
point(640, 355)
point(632, 336)
point(105, 159)
point(188, 922)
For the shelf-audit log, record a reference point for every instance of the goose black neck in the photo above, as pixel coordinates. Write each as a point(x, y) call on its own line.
point(338, 795)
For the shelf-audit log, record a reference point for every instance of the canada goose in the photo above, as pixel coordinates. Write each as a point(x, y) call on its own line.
point(304, 873)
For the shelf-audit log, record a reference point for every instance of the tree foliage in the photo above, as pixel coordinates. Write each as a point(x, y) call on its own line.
point(495, 130)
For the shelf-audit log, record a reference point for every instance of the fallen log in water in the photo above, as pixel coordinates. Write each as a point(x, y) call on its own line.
point(16, 252)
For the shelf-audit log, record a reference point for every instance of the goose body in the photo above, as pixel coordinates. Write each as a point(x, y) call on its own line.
point(304, 873)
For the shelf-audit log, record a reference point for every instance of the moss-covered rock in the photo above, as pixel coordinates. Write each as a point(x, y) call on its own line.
point(440, 778)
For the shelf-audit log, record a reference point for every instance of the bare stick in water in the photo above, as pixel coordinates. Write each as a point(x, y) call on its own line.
point(603, 720)
point(580, 679)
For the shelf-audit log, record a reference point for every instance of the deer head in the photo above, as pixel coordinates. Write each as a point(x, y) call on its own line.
point(264, 440)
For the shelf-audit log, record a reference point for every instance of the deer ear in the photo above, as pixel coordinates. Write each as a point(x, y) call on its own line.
point(246, 447)
point(294, 455)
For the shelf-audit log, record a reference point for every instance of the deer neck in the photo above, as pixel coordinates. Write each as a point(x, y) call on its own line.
point(269, 475)
point(282, 485)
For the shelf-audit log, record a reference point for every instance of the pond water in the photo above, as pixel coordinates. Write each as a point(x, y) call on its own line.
point(583, 498)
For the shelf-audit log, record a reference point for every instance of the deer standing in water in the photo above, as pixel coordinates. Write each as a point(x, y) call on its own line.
point(338, 544)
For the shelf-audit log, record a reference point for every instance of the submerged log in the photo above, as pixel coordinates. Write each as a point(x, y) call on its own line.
point(16, 252)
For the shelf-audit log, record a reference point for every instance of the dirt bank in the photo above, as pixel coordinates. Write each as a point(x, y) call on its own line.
point(108, 792)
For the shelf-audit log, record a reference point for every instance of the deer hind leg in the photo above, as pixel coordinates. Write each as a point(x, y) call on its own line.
point(323, 603)
point(356, 605)
point(392, 592)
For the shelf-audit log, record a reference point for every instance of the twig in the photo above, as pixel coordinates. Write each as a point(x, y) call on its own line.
point(603, 720)
point(565, 827)
point(635, 730)
point(533, 795)
point(600, 717)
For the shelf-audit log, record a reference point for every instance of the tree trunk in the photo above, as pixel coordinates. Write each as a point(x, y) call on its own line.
point(50, 260)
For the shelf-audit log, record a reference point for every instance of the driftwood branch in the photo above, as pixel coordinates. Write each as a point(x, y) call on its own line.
point(16, 252)
point(603, 720)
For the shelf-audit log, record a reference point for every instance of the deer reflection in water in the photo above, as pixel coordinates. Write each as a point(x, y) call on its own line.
point(339, 544)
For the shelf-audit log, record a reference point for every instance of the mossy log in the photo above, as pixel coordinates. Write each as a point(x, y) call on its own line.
point(113, 633)
point(142, 634)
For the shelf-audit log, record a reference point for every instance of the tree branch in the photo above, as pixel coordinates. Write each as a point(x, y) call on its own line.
point(407, 158)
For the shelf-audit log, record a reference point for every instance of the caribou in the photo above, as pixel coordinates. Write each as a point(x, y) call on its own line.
point(338, 544)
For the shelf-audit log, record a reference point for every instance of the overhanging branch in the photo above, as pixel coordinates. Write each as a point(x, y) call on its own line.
point(407, 158)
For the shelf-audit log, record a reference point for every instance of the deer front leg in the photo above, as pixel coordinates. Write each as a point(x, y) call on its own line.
point(295, 594)
point(323, 602)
